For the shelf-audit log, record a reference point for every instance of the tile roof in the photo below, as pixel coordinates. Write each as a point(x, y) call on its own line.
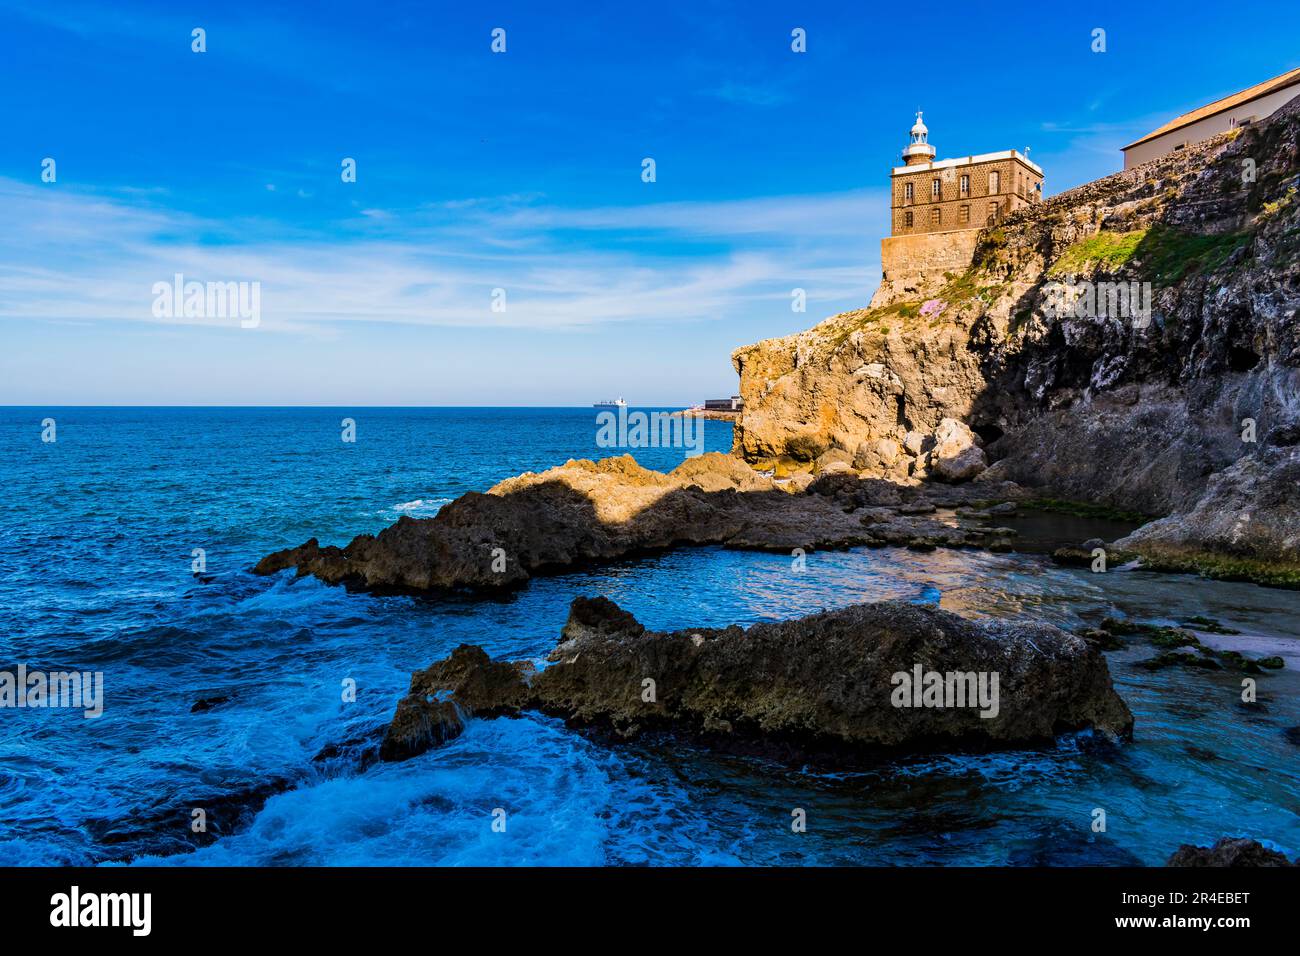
point(1219, 106)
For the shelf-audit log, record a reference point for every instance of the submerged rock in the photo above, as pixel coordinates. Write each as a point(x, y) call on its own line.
point(204, 704)
point(839, 682)
point(1181, 646)
point(1229, 851)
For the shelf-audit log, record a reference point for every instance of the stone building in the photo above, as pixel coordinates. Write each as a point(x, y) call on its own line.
point(970, 192)
point(1239, 109)
point(937, 208)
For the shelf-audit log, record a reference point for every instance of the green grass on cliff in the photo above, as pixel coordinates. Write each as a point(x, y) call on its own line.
point(1168, 256)
point(958, 291)
point(880, 320)
point(961, 290)
point(1107, 251)
point(1160, 254)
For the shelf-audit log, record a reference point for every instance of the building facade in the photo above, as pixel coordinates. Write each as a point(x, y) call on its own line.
point(1231, 112)
point(956, 194)
point(938, 208)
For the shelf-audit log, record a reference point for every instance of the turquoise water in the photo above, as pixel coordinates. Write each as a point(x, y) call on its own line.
point(95, 573)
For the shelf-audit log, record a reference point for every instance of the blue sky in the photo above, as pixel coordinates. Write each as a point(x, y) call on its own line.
point(519, 171)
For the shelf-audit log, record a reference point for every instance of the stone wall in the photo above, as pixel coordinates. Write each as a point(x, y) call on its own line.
point(912, 265)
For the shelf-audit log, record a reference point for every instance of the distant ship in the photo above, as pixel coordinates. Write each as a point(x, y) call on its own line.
point(617, 403)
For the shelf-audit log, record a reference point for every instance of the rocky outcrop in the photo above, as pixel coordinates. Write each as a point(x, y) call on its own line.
point(854, 381)
point(466, 682)
point(1245, 524)
point(1135, 403)
point(585, 512)
point(1229, 851)
point(838, 682)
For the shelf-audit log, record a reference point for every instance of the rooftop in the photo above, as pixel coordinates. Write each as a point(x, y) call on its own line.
point(1219, 106)
point(966, 160)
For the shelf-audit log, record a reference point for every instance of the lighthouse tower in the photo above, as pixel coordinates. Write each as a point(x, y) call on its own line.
point(919, 149)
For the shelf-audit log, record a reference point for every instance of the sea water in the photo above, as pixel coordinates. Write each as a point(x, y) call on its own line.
point(99, 531)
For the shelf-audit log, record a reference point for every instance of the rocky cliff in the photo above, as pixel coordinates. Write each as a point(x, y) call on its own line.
point(1152, 395)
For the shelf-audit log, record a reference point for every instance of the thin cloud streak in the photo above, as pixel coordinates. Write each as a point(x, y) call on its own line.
point(78, 256)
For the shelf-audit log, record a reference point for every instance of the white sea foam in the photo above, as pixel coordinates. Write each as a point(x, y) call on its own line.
point(421, 507)
point(438, 808)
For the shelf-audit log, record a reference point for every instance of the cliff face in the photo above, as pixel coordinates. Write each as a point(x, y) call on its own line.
point(1087, 403)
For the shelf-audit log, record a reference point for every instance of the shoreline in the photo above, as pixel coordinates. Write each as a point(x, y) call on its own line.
point(714, 414)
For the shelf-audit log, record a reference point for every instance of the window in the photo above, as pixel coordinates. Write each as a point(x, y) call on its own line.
point(907, 191)
point(965, 213)
point(936, 216)
point(993, 213)
point(965, 185)
point(907, 219)
point(995, 183)
point(934, 188)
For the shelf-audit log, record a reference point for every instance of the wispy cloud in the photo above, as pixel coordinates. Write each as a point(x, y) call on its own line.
point(78, 256)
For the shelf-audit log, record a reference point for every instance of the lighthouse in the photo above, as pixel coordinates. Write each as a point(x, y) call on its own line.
point(919, 149)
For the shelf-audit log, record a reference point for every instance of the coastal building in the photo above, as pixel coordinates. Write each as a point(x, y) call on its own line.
point(949, 195)
point(938, 207)
point(1240, 109)
point(733, 404)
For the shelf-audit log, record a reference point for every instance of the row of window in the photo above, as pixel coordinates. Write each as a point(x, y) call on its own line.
point(963, 216)
point(995, 186)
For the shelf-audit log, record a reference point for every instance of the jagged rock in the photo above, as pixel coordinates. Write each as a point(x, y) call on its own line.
point(881, 458)
point(1246, 523)
point(419, 724)
point(829, 459)
point(1228, 851)
point(802, 481)
point(822, 684)
point(955, 455)
point(434, 709)
point(584, 512)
